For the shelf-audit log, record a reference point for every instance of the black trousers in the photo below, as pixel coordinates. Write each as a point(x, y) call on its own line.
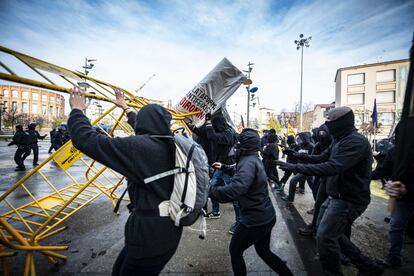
point(35, 149)
point(286, 176)
point(20, 155)
point(128, 266)
point(271, 171)
point(244, 237)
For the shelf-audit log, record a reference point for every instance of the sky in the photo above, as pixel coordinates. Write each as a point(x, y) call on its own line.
point(181, 41)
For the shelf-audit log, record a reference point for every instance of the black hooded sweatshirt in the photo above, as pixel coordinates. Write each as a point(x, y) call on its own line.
point(147, 235)
point(347, 163)
point(249, 183)
point(223, 138)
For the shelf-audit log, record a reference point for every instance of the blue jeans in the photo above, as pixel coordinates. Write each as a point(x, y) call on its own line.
point(335, 218)
point(220, 178)
point(399, 220)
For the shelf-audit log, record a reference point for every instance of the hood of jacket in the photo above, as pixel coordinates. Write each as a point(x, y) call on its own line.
point(249, 142)
point(290, 140)
point(305, 137)
point(153, 119)
point(219, 123)
point(272, 138)
point(326, 138)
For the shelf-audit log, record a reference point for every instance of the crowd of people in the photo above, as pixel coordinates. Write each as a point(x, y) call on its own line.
point(27, 140)
point(335, 160)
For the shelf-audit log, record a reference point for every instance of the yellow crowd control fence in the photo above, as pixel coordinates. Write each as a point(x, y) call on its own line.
point(29, 217)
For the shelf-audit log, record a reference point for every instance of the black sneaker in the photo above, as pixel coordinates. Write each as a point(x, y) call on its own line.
point(281, 187)
point(310, 212)
point(307, 231)
point(287, 199)
point(20, 169)
point(301, 191)
point(232, 228)
point(392, 261)
point(35, 164)
point(212, 215)
point(370, 268)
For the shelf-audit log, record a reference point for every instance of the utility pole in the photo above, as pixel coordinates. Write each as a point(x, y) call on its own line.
point(299, 45)
point(249, 70)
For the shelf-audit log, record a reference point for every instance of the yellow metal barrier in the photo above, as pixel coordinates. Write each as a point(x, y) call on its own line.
point(28, 218)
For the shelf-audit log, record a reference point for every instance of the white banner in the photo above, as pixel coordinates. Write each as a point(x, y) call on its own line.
point(212, 92)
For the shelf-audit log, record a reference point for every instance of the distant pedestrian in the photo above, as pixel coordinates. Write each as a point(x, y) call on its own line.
point(34, 136)
point(249, 187)
point(22, 140)
point(52, 140)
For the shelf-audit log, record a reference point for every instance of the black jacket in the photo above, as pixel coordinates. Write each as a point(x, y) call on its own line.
point(21, 138)
point(348, 164)
point(223, 139)
point(34, 136)
point(248, 187)
point(137, 157)
point(204, 142)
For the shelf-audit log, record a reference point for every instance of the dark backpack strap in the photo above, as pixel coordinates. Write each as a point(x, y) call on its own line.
point(118, 203)
point(187, 167)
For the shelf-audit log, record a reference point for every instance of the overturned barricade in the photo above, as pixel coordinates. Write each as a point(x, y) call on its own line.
point(27, 218)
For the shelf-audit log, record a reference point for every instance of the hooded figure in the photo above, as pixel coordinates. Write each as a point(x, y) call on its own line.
point(223, 138)
point(347, 167)
point(34, 136)
point(249, 187)
point(150, 235)
point(270, 155)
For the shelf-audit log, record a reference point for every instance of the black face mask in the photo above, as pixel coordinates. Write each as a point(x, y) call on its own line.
point(325, 139)
point(341, 126)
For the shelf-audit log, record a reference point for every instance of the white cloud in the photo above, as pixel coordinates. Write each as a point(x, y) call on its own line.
point(180, 41)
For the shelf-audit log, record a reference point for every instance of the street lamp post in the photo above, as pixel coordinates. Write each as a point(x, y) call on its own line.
point(299, 45)
point(249, 70)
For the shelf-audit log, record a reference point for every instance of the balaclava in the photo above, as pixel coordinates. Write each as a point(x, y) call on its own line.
point(341, 121)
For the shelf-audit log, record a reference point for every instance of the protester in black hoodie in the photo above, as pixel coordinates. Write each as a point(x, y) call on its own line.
point(291, 142)
point(270, 155)
point(249, 187)
point(304, 146)
point(151, 238)
point(347, 166)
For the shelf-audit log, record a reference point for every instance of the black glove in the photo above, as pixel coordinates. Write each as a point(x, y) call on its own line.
point(289, 152)
point(286, 166)
point(189, 123)
point(301, 156)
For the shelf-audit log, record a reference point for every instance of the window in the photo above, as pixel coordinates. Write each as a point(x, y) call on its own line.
point(356, 98)
point(25, 95)
point(355, 79)
point(51, 110)
point(386, 76)
point(44, 109)
point(34, 108)
point(386, 97)
point(25, 108)
point(52, 99)
point(35, 96)
point(15, 94)
point(5, 105)
point(6, 93)
point(386, 118)
point(14, 106)
point(57, 112)
point(44, 98)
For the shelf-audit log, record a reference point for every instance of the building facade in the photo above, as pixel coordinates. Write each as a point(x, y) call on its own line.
point(32, 101)
point(359, 86)
point(319, 114)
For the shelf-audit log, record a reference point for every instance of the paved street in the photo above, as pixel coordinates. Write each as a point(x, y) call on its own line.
point(95, 235)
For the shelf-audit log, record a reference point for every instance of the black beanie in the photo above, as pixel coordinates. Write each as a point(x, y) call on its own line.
point(341, 121)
